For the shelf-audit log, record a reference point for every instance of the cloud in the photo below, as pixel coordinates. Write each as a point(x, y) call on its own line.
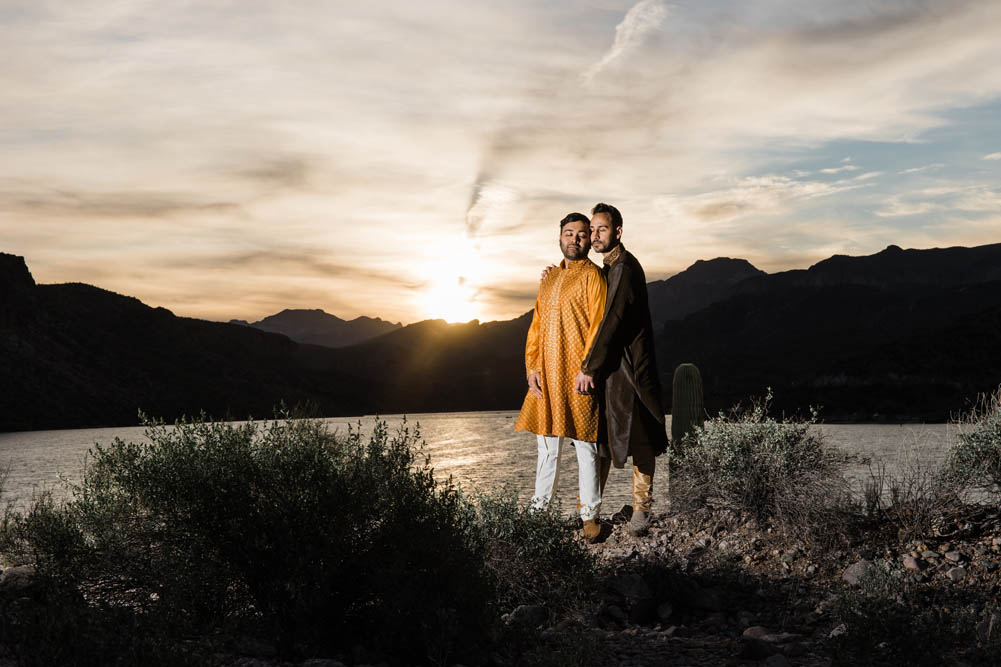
point(152, 135)
point(896, 208)
point(278, 172)
point(126, 204)
point(992, 156)
point(490, 202)
point(980, 199)
point(642, 19)
point(915, 170)
point(954, 199)
point(759, 195)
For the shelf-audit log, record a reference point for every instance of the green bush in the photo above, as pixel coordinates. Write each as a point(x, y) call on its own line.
point(751, 463)
point(976, 458)
point(311, 540)
point(534, 557)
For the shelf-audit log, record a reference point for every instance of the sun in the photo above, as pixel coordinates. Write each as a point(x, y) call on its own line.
point(451, 282)
point(450, 298)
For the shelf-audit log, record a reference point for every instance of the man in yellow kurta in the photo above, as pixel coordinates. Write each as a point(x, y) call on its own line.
point(567, 314)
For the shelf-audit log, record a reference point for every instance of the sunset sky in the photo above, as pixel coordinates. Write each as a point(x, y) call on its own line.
point(411, 160)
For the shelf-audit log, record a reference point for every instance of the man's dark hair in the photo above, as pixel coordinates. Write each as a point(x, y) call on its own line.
point(574, 217)
point(610, 211)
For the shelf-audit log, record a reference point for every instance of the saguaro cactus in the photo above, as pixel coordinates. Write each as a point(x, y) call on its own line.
point(687, 409)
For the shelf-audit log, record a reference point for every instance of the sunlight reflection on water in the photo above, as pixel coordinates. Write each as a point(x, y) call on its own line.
point(480, 450)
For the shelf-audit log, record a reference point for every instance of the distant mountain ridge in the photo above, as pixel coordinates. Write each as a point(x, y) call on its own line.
point(74, 355)
point(901, 334)
point(318, 327)
point(893, 266)
point(898, 335)
point(698, 286)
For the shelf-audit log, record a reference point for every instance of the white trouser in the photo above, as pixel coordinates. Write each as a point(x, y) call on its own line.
point(547, 474)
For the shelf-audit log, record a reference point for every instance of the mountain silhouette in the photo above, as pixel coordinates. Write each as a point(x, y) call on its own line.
point(75, 355)
point(434, 366)
point(321, 328)
point(78, 356)
point(701, 284)
point(898, 335)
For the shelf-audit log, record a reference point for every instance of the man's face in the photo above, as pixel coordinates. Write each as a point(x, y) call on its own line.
point(604, 236)
point(574, 240)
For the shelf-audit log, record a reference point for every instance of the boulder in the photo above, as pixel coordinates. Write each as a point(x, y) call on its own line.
point(17, 581)
point(855, 573)
point(838, 631)
point(632, 587)
point(528, 615)
point(956, 573)
point(756, 631)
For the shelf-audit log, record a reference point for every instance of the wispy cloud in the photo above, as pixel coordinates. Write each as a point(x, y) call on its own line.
point(915, 170)
point(954, 199)
point(896, 208)
point(769, 194)
point(126, 204)
point(640, 21)
point(175, 142)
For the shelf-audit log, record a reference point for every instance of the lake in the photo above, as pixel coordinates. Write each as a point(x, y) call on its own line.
point(479, 449)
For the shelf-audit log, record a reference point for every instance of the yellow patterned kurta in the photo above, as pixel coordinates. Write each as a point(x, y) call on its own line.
point(567, 314)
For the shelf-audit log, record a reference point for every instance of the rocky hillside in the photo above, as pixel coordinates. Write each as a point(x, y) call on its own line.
point(698, 286)
point(317, 327)
point(894, 336)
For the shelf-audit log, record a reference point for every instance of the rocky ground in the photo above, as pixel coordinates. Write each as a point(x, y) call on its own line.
point(712, 590)
point(715, 590)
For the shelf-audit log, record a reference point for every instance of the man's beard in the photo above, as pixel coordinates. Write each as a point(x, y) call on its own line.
point(600, 246)
point(577, 251)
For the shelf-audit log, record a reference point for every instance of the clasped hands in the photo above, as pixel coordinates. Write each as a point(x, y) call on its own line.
point(584, 384)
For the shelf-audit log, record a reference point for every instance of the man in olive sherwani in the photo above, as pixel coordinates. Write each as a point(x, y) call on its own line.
point(622, 357)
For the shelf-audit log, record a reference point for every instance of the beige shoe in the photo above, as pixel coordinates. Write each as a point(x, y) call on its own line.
point(639, 524)
point(591, 530)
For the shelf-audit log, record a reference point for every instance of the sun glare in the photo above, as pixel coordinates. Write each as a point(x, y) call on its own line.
point(450, 300)
point(451, 290)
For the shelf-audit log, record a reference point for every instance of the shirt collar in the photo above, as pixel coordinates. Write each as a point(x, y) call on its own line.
point(612, 256)
point(573, 263)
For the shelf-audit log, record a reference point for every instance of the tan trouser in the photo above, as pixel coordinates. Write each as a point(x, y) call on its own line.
point(644, 465)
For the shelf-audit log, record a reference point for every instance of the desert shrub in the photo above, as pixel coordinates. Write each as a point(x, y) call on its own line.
point(890, 620)
point(533, 556)
point(61, 629)
point(975, 459)
point(312, 540)
point(911, 499)
point(536, 558)
point(752, 463)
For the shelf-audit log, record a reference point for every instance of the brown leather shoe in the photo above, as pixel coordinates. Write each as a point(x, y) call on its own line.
point(591, 530)
point(639, 524)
